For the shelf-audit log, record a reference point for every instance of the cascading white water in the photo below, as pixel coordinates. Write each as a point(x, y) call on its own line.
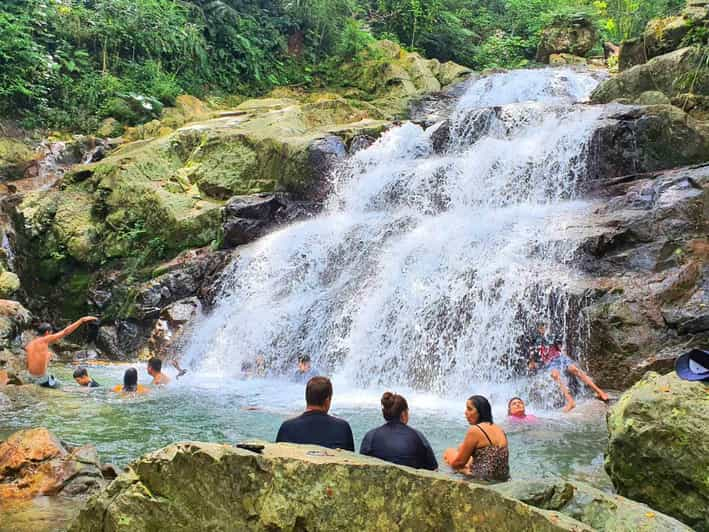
point(425, 269)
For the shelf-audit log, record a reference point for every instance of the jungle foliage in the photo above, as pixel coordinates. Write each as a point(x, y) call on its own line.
point(66, 63)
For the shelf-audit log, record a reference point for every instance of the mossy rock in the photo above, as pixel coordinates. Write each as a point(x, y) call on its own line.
point(658, 448)
point(652, 98)
point(672, 74)
point(200, 486)
point(9, 284)
point(15, 157)
point(566, 59)
point(574, 35)
point(589, 505)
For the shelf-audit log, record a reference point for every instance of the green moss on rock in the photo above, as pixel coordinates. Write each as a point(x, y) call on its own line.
point(15, 157)
point(658, 448)
point(9, 284)
point(288, 487)
point(671, 74)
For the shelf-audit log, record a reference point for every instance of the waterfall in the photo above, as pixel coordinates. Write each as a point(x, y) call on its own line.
point(430, 264)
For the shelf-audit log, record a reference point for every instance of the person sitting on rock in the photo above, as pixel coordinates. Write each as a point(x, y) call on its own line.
point(130, 383)
point(484, 453)
point(38, 353)
point(516, 412)
point(155, 371)
point(81, 376)
point(547, 355)
point(315, 426)
point(395, 441)
point(305, 370)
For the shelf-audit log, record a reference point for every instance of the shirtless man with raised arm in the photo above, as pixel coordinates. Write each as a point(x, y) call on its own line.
point(38, 353)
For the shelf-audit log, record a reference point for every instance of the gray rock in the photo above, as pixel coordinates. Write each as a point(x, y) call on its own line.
point(576, 36)
point(589, 505)
point(646, 139)
point(658, 447)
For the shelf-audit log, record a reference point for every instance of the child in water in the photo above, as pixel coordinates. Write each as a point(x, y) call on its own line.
point(516, 412)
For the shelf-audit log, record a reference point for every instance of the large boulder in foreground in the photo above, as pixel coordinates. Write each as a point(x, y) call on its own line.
point(294, 487)
point(658, 449)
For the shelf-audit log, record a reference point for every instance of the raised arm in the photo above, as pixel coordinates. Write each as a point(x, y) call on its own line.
point(51, 338)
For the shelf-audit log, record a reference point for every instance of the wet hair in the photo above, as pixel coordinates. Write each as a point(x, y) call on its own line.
point(130, 380)
point(318, 391)
point(80, 372)
point(482, 405)
point(45, 328)
point(302, 359)
point(393, 405)
point(509, 403)
point(155, 364)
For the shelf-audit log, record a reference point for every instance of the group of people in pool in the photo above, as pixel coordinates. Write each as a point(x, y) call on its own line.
point(130, 378)
point(483, 454)
point(39, 355)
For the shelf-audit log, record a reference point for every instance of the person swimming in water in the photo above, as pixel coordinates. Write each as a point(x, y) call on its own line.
point(82, 378)
point(396, 441)
point(39, 355)
point(484, 453)
point(547, 355)
point(130, 383)
point(516, 412)
point(155, 371)
point(305, 370)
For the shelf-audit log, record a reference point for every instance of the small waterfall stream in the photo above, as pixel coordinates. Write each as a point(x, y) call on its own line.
point(428, 267)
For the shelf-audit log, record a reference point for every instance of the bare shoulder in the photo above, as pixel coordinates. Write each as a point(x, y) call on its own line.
point(36, 342)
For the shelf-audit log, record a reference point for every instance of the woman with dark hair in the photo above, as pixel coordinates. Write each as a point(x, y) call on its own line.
point(395, 441)
point(484, 453)
point(516, 412)
point(130, 383)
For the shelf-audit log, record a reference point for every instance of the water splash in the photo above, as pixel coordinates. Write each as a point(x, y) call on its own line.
point(426, 269)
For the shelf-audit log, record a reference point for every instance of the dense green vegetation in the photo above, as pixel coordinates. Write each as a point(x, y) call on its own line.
point(70, 63)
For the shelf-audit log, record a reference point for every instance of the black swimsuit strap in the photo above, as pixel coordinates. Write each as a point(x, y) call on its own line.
point(485, 433)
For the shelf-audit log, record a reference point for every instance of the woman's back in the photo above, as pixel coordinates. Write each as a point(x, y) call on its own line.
point(400, 444)
point(491, 457)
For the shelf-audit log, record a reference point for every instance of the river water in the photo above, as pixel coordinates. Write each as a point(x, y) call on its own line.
point(425, 275)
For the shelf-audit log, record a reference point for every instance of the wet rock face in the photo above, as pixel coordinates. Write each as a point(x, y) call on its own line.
point(646, 139)
point(246, 218)
point(35, 462)
point(178, 284)
point(172, 329)
point(648, 261)
point(658, 449)
point(323, 156)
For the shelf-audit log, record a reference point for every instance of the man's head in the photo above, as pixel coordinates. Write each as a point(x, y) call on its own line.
point(154, 366)
point(318, 393)
point(304, 363)
point(542, 327)
point(44, 329)
point(81, 376)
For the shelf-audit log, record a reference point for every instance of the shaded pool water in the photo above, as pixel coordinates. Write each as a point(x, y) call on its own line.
point(211, 409)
